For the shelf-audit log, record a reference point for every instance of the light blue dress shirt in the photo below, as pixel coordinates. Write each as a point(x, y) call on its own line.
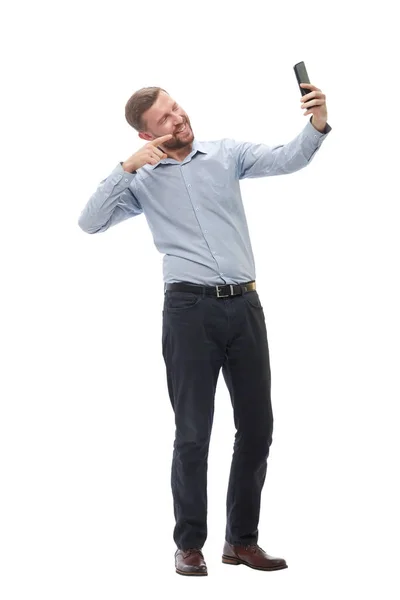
point(194, 208)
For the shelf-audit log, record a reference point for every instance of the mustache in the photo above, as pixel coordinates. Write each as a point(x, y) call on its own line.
point(183, 125)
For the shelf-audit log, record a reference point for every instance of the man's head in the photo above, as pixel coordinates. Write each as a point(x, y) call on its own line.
point(153, 113)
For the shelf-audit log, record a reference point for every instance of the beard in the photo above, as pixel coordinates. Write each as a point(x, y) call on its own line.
point(181, 141)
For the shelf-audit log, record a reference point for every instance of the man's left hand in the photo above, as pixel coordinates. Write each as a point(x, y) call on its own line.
point(315, 104)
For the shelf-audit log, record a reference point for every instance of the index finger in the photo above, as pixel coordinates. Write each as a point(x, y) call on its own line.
point(161, 139)
point(310, 86)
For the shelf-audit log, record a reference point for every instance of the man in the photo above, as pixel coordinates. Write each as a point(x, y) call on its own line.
point(190, 195)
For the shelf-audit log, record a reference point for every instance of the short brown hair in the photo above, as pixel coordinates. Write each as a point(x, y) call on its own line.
point(137, 104)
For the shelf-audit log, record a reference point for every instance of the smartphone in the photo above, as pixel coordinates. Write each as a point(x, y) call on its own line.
point(302, 76)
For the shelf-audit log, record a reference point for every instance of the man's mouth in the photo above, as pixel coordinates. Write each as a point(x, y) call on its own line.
point(181, 129)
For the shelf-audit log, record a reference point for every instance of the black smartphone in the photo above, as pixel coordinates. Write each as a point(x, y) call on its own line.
point(302, 76)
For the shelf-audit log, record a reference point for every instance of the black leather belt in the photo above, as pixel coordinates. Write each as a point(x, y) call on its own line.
point(220, 291)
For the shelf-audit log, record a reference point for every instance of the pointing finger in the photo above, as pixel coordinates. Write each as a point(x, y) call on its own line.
point(161, 140)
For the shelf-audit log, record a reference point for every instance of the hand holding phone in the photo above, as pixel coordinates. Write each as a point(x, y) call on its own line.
point(316, 105)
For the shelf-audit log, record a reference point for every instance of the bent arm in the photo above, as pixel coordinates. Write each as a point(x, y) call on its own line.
point(111, 203)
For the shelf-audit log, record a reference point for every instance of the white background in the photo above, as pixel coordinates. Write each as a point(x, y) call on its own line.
point(86, 422)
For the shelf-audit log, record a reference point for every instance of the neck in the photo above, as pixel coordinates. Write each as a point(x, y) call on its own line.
point(180, 154)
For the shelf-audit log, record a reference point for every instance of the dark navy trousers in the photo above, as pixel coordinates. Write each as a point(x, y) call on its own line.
point(202, 334)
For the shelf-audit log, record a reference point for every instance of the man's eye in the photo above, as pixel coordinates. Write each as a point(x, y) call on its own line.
point(165, 118)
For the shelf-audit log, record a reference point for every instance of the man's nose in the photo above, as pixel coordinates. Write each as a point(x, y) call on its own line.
point(178, 120)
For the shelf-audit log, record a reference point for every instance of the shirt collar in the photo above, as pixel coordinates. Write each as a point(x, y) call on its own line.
point(196, 147)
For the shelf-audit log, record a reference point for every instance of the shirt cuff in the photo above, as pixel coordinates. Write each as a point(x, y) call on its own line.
point(128, 176)
point(314, 130)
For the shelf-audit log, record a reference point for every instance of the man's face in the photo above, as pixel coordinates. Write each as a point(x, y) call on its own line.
point(166, 116)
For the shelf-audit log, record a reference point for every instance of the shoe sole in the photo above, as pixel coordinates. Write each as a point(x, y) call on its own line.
point(229, 560)
point(199, 574)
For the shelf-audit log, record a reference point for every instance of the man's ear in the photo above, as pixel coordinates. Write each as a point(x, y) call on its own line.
point(145, 136)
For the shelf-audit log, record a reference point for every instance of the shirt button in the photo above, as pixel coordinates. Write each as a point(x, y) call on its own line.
point(126, 179)
point(205, 231)
point(189, 185)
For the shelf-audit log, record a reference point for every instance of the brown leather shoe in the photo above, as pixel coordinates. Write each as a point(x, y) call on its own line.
point(190, 562)
point(252, 556)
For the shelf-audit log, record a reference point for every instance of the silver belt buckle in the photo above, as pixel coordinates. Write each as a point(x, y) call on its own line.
point(224, 295)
